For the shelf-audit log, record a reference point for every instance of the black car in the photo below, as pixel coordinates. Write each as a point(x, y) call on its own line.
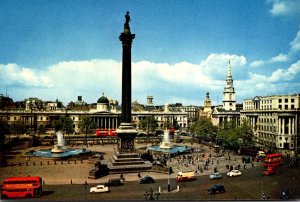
point(114, 182)
point(293, 163)
point(246, 159)
point(217, 188)
point(146, 180)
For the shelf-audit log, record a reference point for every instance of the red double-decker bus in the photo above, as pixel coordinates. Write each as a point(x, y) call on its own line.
point(273, 160)
point(105, 132)
point(22, 187)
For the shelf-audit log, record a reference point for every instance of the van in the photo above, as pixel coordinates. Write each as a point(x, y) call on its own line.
point(261, 154)
point(114, 182)
point(185, 176)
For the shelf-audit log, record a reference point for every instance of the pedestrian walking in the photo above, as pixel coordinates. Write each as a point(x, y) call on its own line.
point(139, 175)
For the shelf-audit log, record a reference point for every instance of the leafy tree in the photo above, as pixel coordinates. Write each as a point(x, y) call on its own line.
point(204, 129)
point(64, 123)
point(57, 125)
point(148, 124)
point(234, 137)
point(246, 135)
point(3, 131)
point(18, 127)
point(67, 125)
point(86, 124)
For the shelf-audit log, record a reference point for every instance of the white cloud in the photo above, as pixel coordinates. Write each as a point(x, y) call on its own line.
point(16, 75)
point(257, 63)
point(284, 7)
point(216, 65)
point(286, 75)
point(182, 82)
point(279, 58)
point(278, 75)
point(295, 44)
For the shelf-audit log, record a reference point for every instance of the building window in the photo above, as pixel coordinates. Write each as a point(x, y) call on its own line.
point(292, 107)
point(279, 106)
point(286, 106)
point(286, 100)
point(41, 118)
point(292, 100)
point(15, 118)
point(279, 101)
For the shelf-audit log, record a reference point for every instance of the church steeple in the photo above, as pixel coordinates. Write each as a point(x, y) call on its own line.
point(229, 102)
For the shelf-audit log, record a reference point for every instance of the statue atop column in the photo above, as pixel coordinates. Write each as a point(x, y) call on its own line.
point(127, 20)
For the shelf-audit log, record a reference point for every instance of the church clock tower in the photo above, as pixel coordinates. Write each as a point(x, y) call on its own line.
point(229, 102)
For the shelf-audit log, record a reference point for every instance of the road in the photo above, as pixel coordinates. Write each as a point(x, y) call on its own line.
point(249, 186)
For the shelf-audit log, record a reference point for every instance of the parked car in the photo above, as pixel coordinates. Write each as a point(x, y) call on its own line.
point(99, 189)
point(146, 180)
point(215, 176)
point(114, 182)
point(234, 173)
point(269, 171)
point(217, 188)
point(293, 163)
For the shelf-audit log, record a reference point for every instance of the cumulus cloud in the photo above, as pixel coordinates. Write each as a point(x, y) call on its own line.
point(168, 83)
point(279, 58)
point(295, 44)
point(216, 65)
point(278, 75)
point(68, 79)
point(257, 63)
point(13, 74)
point(284, 7)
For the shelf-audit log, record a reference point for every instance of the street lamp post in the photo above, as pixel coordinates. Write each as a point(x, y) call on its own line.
point(169, 187)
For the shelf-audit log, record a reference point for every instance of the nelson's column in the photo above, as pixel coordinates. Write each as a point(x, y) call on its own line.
point(126, 131)
point(125, 158)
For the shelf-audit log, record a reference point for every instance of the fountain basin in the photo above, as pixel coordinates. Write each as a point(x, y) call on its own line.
point(173, 150)
point(57, 149)
point(67, 153)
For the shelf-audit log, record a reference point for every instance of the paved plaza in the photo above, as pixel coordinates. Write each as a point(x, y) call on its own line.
point(76, 172)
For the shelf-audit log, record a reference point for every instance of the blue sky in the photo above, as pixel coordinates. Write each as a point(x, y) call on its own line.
point(62, 49)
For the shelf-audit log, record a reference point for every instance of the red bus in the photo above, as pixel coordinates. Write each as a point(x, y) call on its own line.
point(105, 132)
point(273, 160)
point(22, 187)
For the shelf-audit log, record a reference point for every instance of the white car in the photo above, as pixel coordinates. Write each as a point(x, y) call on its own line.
point(234, 173)
point(99, 189)
point(215, 176)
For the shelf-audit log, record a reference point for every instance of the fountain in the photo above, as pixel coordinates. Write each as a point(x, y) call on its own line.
point(59, 150)
point(167, 146)
point(60, 146)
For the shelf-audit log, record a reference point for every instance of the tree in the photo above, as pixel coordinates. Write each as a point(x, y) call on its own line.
point(57, 125)
point(246, 135)
point(148, 124)
point(18, 127)
point(3, 131)
point(234, 137)
point(67, 125)
point(204, 129)
point(86, 124)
